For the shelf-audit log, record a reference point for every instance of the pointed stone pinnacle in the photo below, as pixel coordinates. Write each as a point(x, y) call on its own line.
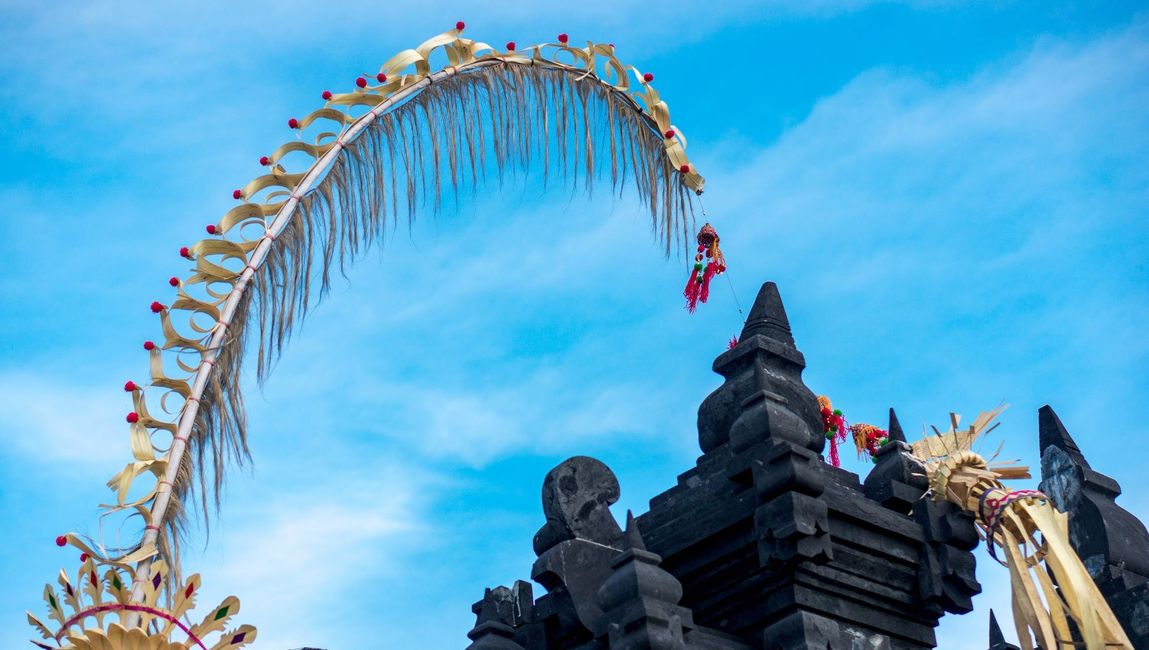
point(895, 430)
point(768, 317)
point(1053, 433)
point(996, 639)
point(633, 537)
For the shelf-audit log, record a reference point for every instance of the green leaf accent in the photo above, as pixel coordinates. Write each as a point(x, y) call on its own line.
point(116, 583)
point(52, 601)
point(220, 614)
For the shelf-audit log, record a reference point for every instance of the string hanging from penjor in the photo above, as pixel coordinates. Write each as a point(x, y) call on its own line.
point(401, 138)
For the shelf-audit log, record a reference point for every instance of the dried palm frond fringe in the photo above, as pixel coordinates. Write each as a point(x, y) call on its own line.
point(493, 119)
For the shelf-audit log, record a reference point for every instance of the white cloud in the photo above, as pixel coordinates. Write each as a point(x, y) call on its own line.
point(48, 420)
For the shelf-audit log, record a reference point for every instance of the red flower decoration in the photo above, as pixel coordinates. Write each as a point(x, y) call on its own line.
point(83, 557)
point(130, 386)
point(237, 194)
point(132, 418)
point(669, 134)
point(61, 540)
point(460, 25)
point(648, 77)
point(264, 160)
point(685, 169)
point(381, 77)
point(149, 346)
point(563, 38)
point(174, 281)
point(211, 229)
point(326, 94)
point(293, 123)
point(510, 46)
point(361, 82)
point(185, 251)
point(157, 307)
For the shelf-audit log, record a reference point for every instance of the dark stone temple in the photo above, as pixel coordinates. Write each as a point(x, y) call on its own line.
point(762, 544)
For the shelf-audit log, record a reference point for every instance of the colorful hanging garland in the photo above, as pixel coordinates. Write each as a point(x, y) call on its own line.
point(869, 439)
point(834, 426)
point(698, 285)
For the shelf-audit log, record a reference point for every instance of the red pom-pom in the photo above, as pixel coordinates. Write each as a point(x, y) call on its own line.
point(130, 386)
point(83, 557)
point(326, 94)
point(157, 307)
point(61, 540)
point(648, 77)
point(460, 25)
point(211, 229)
point(685, 169)
point(563, 38)
point(264, 160)
point(669, 134)
point(133, 417)
point(174, 281)
point(361, 82)
point(237, 194)
point(149, 346)
point(510, 46)
point(185, 251)
point(293, 123)
point(381, 77)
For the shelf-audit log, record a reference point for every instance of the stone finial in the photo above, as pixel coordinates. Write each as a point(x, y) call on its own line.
point(1052, 433)
point(640, 599)
point(768, 317)
point(996, 639)
point(763, 396)
point(895, 430)
point(577, 496)
point(491, 631)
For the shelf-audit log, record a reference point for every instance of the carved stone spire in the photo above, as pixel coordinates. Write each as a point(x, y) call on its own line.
point(895, 430)
point(1112, 543)
point(897, 479)
point(763, 395)
point(492, 631)
point(640, 599)
point(996, 639)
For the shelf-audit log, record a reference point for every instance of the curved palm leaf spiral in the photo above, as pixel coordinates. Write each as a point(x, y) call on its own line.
point(380, 151)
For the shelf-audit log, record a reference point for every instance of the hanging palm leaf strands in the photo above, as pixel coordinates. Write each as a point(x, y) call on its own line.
point(698, 284)
point(368, 156)
point(1056, 603)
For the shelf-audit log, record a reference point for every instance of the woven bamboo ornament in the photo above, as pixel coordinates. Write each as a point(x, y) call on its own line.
point(400, 138)
point(1056, 604)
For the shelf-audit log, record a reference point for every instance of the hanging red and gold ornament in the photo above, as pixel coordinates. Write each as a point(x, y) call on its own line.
point(708, 262)
point(834, 427)
point(869, 438)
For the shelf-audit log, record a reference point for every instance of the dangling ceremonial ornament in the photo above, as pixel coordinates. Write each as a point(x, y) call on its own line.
point(708, 262)
point(1056, 603)
point(377, 151)
point(868, 439)
point(834, 427)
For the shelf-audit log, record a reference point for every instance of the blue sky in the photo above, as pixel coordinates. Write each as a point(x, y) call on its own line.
point(953, 198)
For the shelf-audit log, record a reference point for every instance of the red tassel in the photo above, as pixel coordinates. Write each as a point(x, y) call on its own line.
point(733, 343)
point(711, 270)
point(693, 286)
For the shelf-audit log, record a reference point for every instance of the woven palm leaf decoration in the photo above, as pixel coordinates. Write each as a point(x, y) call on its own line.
point(1056, 604)
point(441, 116)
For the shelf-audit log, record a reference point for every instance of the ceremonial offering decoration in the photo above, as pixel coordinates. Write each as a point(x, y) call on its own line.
point(1054, 597)
point(708, 262)
point(399, 138)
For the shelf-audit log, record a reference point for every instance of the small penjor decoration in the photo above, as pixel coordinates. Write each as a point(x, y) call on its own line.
point(708, 262)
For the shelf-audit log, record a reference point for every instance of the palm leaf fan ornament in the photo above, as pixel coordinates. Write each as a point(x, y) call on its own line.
point(1056, 604)
point(401, 138)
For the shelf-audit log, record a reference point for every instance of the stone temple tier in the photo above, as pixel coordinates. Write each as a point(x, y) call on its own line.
point(764, 545)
